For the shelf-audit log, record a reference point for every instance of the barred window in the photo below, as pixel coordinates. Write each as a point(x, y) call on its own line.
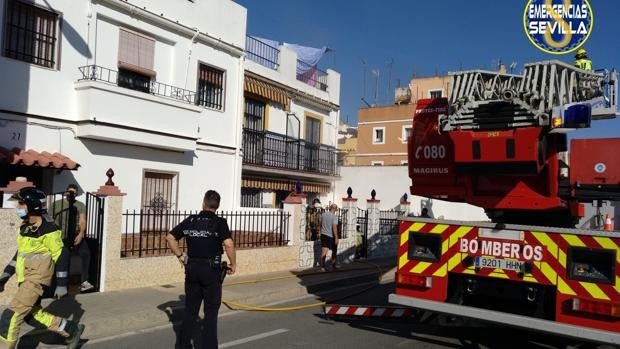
point(30, 34)
point(210, 87)
point(254, 117)
point(251, 197)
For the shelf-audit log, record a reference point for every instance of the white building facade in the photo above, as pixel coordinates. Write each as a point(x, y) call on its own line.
point(152, 89)
point(290, 126)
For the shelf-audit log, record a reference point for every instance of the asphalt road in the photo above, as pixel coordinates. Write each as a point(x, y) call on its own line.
point(309, 329)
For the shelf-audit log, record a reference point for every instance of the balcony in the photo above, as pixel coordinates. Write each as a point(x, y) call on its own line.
point(311, 75)
point(130, 110)
point(277, 151)
point(262, 53)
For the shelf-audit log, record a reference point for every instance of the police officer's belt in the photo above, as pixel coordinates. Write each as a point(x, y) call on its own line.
point(213, 262)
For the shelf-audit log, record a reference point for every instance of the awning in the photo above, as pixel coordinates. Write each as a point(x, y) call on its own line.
point(17, 156)
point(268, 91)
point(283, 184)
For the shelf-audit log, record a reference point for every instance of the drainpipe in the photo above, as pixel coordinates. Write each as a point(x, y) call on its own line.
point(189, 56)
point(238, 163)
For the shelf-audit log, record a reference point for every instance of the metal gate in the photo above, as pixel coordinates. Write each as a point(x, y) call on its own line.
point(95, 209)
point(361, 229)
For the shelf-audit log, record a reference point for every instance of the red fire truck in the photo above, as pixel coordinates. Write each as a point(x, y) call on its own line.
point(500, 143)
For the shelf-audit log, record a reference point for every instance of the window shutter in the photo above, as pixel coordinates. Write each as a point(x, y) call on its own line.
point(136, 53)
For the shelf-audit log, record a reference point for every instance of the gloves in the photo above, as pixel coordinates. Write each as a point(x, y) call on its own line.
point(60, 292)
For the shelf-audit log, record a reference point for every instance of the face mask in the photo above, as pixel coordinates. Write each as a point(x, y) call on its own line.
point(22, 212)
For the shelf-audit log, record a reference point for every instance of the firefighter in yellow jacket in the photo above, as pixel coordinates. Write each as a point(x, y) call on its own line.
point(39, 247)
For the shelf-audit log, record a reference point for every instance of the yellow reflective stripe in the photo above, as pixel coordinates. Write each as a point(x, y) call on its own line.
point(444, 246)
point(441, 272)
point(416, 226)
point(459, 233)
point(420, 267)
point(549, 272)
point(404, 238)
point(562, 258)
point(34, 255)
point(454, 261)
point(594, 290)
point(573, 240)
point(544, 239)
point(470, 271)
point(530, 278)
point(563, 288)
point(607, 243)
point(402, 260)
point(439, 228)
point(499, 274)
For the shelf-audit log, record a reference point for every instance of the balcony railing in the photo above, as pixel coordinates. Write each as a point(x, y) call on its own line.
point(109, 76)
point(262, 53)
point(311, 75)
point(275, 150)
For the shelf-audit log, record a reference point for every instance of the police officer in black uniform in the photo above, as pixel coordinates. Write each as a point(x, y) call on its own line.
point(205, 234)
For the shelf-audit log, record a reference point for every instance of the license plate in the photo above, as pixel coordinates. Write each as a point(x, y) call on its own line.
point(497, 263)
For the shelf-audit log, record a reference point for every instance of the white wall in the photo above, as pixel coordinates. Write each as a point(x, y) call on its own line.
point(207, 168)
point(390, 183)
point(90, 34)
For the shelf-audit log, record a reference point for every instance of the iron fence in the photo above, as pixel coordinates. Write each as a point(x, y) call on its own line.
point(109, 76)
point(389, 223)
point(313, 223)
point(145, 230)
point(262, 53)
point(271, 149)
point(311, 75)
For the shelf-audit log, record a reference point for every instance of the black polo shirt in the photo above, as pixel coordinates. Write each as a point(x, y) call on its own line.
point(204, 232)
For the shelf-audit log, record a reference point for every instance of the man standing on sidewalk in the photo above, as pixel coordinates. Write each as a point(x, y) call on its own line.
point(205, 234)
point(329, 236)
point(39, 247)
point(70, 215)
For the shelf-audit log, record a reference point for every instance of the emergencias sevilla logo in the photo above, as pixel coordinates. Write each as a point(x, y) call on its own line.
point(558, 26)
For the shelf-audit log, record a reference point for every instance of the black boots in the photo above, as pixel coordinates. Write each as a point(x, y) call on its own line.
point(73, 331)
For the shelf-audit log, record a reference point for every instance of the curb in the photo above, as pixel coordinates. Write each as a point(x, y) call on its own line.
point(318, 285)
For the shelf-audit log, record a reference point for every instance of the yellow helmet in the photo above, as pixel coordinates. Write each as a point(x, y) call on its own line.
point(581, 52)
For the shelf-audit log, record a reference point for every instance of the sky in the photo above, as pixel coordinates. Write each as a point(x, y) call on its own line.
point(422, 38)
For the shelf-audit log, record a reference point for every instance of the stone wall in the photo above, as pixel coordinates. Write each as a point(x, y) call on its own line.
point(9, 223)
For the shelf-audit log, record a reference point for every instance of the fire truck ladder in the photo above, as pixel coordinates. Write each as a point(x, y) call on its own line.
point(483, 99)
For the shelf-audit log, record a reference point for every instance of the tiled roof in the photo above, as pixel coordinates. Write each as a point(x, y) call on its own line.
point(17, 156)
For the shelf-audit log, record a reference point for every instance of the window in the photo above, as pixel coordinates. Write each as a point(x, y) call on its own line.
point(136, 56)
point(406, 133)
point(313, 130)
point(159, 191)
point(210, 87)
point(312, 147)
point(435, 93)
point(378, 135)
point(254, 116)
point(30, 34)
point(251, 197)
point(376, 163)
